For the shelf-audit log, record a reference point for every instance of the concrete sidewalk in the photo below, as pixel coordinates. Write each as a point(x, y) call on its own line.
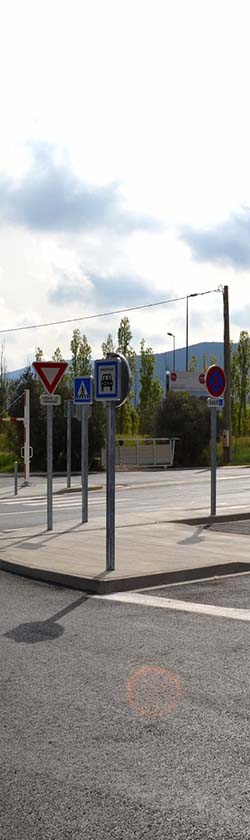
point(148, 553)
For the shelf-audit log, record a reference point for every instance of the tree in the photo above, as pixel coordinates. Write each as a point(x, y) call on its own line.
point(39, 354)
point(151, 392)
point(108, 346)
point(127, 421)
point(240, 381)
point(37, 418)
point(81, 354)
point(57, 355)
point(193, 365)
point(204, 362)
point(124, 336)
point(3, 379)
point(186, 418)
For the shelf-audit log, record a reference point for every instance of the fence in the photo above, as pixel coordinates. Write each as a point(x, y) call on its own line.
point(152, 452)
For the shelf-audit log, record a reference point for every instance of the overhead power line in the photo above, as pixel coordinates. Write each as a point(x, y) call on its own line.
point(104, 314)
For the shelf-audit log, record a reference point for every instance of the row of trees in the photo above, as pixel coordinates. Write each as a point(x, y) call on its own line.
point(177, 415)
point(130, 419)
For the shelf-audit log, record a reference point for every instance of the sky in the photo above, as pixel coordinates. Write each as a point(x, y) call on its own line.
point(124, 170)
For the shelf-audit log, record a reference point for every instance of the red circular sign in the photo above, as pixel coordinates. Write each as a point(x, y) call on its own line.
point(173, 377)
point(202, 378)
point(215, 381)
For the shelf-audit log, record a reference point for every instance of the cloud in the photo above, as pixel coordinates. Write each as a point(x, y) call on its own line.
point(50, 197)
point(114, 290)
point(241, 317)
point(226, 244)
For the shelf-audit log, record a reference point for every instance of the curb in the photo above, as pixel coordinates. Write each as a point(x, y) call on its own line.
point(211, 520)
point(103, 586)
point(76, 489)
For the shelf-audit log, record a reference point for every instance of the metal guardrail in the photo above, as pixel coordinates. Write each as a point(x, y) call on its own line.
point(152, 452)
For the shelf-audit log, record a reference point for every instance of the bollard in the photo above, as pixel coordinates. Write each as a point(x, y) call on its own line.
point(15, 478)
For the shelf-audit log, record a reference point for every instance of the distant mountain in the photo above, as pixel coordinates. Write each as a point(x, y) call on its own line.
point(164, 361)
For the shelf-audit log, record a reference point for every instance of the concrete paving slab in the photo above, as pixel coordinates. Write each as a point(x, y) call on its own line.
point(148, 553)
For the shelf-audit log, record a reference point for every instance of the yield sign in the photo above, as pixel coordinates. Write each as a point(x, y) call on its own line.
point(50, 373)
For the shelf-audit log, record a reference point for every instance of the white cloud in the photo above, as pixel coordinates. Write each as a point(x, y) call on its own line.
point(147, 94)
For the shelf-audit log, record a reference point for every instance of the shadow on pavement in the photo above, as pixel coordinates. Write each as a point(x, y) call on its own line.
point(197, 537)
point(43, 631)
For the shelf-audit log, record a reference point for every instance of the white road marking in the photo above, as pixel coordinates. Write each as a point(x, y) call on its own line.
point(181, 606)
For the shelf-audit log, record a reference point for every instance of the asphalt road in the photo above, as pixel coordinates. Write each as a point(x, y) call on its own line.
point(123, 721)
point(149, 492)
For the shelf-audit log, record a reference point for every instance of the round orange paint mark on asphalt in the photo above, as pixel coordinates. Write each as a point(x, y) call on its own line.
point(153, 691)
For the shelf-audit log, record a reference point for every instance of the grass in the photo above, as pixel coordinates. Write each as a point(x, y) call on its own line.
point(7, 460)
point(241, 450)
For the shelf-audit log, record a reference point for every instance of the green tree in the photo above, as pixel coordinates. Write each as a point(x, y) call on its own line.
point(108, 346)
point(127, 421)
point(57, 355)
point(81, 354)
point(188, 419)
point(204, 362)
point(240, 377)
point(3, 379)
point(39, 354)
point(193, 364)
point(151, 392)
point(124, 336)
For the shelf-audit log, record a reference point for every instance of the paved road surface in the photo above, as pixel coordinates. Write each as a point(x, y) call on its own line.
point(123, 721)
point(168, 492)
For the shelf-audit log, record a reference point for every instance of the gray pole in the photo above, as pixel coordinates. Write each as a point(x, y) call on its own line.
point(69, 403)
point(15, 478)
point(84, 462)
point(49, 466)
point(110, 489)
point(173, 352)
point(213, 410)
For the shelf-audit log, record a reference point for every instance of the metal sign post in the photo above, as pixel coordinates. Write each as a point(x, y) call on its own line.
point(49, 466)
point(84, 460)
point(112, 380)
point(110, 489)
point(69, 415)
point(215, 384)
point(50, 374)
point(26, 437)
point(213, 411)
point(83, 397)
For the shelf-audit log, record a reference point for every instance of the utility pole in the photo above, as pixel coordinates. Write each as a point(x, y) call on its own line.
point(227, 435)
point(187, 333)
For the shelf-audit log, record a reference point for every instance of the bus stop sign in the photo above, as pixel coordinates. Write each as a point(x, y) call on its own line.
point(125, 377)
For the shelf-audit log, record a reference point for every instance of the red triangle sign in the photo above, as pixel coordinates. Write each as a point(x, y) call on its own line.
point(50, 373)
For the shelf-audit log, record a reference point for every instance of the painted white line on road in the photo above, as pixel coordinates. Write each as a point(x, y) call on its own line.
point(232, 477)
point(181, 606)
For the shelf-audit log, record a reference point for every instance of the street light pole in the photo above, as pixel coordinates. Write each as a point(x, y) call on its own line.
point(173, 337)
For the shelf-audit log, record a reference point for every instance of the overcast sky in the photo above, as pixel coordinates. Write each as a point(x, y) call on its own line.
point(124, 168)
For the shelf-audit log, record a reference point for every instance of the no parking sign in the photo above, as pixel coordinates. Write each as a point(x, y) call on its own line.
point(215, 381)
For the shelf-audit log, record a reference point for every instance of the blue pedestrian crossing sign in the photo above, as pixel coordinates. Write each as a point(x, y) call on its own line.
point(83, 390)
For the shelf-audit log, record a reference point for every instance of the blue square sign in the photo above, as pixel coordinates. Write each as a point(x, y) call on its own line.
point(83, 390)
point(107, 379)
